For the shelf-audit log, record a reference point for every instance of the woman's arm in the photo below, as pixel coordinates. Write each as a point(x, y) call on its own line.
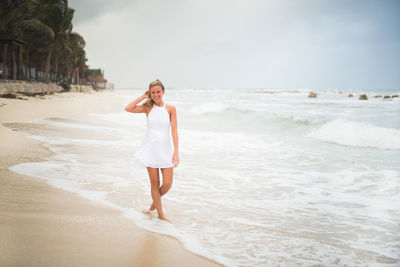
point(134, 108)
point(174, 132)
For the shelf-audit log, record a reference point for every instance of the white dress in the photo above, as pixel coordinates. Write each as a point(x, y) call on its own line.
point(157, 148)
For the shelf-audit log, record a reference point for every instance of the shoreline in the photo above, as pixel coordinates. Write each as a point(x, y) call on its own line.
point(46, 226)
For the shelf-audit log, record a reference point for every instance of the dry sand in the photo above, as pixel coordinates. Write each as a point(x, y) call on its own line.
point(44, 226)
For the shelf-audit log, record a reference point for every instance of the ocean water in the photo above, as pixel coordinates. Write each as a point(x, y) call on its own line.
point(267, 177)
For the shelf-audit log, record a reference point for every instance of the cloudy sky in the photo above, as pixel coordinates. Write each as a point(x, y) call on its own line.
point(285, 44)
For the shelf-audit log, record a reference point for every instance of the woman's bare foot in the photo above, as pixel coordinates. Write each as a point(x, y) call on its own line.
point(152, 207)
point(148, 212)
point(164, 219)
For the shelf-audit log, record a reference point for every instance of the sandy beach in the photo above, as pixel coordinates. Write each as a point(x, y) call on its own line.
point(41, 225)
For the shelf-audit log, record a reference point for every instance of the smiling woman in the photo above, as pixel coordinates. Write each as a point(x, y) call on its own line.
point(157, 151)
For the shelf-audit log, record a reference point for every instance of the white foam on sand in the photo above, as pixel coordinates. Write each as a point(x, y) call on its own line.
point(46, 171)
point(72, 124)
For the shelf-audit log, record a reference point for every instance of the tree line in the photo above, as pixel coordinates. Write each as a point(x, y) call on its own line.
point(38, 42)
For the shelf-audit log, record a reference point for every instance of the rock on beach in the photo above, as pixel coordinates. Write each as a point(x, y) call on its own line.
point(312, 94)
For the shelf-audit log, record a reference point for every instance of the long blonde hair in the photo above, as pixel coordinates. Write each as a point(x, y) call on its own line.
point(149, 102)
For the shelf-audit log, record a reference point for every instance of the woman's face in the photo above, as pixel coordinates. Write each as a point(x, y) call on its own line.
point(156, 93)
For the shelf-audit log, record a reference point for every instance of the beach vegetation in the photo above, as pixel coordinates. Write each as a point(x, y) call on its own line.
point(37, 43)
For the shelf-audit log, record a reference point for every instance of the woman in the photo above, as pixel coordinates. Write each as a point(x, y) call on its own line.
point(157, 151)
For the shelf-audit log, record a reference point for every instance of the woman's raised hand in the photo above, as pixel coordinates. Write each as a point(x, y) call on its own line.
point(145, 95)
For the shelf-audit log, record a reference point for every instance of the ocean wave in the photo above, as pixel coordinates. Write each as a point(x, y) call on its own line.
point(351, 133)
point(209, 108)
point(67, 123)
point(275, 91)
point(297, 120)
point(371, 94)
point(120, 118)
point(256, 115)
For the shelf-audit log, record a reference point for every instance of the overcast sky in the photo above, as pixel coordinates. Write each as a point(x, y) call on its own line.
point(285, 44)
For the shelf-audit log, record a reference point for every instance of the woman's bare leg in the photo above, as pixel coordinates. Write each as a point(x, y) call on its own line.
point(155, 191)
point(167, 174)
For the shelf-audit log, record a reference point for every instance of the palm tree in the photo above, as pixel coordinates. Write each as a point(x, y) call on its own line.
point(17, 16)
point(77, 45)
point(58, 16)
point(46, 28)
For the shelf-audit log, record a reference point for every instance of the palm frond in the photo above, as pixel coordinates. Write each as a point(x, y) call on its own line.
point(38, 26)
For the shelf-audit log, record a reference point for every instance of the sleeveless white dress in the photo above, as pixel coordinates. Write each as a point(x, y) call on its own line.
point(157, 148)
